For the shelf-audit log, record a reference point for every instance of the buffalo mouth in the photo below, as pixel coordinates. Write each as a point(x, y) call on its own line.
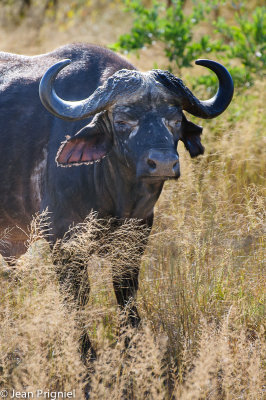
point(159, 178)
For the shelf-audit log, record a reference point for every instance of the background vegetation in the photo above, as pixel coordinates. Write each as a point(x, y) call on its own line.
point(202, 286)
point(237, 39)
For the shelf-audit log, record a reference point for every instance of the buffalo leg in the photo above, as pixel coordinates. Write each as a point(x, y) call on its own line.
point(75, 284)
point(126, 282)
point(125, 289)
point(82, 297)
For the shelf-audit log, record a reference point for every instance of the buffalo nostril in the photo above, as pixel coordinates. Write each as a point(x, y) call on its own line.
point(175, 164)
point(151, 163)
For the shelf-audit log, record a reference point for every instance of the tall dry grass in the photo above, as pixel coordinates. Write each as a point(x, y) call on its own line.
point(202, 286)
point(202, 283)
point(37, 335)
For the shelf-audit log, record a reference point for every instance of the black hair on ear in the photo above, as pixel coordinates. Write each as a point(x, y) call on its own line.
point(191, 137)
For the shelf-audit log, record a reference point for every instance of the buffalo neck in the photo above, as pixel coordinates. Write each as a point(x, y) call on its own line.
point(125, 194)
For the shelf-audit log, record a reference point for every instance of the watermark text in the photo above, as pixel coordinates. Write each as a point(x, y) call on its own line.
point(37, 394)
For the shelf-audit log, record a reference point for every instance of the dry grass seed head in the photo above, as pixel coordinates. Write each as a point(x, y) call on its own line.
point(228, 365)
point(135, 372)
point(39, 342)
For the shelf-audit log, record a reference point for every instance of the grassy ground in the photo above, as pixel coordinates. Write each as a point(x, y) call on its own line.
point(202, 285)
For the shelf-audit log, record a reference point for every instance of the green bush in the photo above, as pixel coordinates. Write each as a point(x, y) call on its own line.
point(240, 43)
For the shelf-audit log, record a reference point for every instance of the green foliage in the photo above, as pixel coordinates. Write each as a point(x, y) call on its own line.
point(171, 26)
point(246, 40)
point(241, 43)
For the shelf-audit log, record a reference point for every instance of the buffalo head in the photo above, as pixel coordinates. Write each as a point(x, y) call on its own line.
point(138, 117)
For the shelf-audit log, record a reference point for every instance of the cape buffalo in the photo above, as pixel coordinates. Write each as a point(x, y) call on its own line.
point(115, 127)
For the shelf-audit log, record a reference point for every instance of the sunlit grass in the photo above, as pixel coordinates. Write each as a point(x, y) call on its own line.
point(202, 285)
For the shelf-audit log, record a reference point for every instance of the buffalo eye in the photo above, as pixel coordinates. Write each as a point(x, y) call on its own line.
point(125, 124)
point(121, 123)
point(173, 124)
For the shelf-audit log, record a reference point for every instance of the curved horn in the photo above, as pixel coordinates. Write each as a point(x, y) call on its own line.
point(103, 96)
point(203, 109)
point(69, 110)
point(216, 105)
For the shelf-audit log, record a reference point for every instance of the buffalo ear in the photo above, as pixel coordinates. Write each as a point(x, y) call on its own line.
point(89, 145)
point(191, 137)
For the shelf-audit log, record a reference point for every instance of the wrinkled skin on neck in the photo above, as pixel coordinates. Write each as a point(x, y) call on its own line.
point(128, 198)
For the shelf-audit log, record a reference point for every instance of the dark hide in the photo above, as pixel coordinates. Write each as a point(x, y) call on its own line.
point(119, 158)
point(30, 138)
point(191, 137)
